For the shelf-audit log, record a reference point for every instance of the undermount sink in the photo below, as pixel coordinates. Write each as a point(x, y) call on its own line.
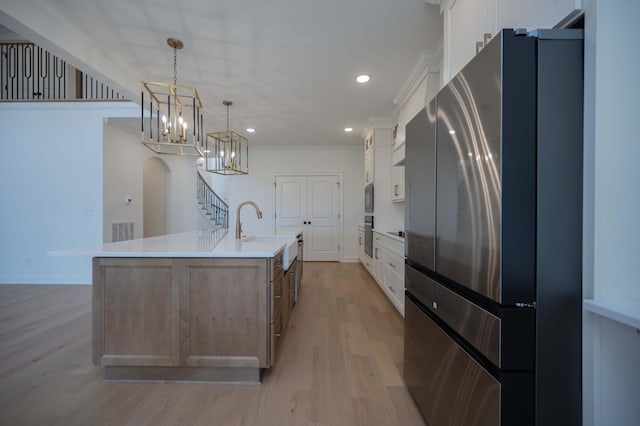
point(289, 252)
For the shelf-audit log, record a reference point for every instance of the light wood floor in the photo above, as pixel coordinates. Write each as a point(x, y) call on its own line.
point(340, 363)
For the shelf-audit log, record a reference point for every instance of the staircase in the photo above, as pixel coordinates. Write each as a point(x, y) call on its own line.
point(213, 208)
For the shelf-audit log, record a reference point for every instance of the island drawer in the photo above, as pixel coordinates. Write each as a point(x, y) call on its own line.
point(276, 266)
point(277, 287)
point(277, 319)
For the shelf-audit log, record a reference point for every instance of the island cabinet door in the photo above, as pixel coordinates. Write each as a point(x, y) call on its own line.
point(223, 312)
point(135, 312)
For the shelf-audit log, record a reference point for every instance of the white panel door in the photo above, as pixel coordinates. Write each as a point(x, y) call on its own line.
point(291, 202)
point(311, 203)
point(322, 218)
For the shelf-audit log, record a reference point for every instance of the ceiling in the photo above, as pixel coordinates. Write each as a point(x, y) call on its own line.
point(289, 66)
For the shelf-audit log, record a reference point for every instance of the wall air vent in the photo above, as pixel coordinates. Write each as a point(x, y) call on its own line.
point(121, 231)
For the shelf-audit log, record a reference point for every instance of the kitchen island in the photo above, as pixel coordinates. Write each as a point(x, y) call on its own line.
point(195, 306)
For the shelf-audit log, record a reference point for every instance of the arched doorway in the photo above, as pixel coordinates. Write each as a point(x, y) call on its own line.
point(155, 197)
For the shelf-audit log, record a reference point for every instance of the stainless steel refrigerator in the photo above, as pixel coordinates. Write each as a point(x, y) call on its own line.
point(493, 222)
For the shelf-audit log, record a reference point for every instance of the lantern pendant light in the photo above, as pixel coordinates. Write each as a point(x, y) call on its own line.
point(173, 124)
point(227, 153)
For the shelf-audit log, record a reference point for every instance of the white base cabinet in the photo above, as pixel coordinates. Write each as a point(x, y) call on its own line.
point(393, 273)
point(366, 261)
point(386, 266)
point(361, 243)
point(378, 250)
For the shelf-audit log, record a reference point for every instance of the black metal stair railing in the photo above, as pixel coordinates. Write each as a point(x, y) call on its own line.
point(215, 209)
point(88, 87)
point(29, 72)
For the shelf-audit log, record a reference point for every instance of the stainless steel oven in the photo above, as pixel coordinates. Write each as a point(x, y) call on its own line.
point(368, 198)
point(368, 235)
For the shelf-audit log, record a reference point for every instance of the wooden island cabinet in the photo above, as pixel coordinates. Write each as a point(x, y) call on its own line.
point(192, 306)
point(200, 319)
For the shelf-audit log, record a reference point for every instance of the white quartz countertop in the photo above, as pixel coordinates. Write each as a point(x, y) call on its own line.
point(201, 243)
point(625, 311)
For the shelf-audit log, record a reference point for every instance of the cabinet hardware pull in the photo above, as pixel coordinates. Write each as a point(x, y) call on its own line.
point(395, 190)
point(391, 288)
point(392, 265)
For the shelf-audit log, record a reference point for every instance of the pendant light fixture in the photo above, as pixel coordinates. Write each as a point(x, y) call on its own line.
point(174, 122)
point(227, 153)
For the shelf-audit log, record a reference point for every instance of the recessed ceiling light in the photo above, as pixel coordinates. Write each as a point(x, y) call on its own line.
point(348, 129)
point(362, 78)
point(251, 129)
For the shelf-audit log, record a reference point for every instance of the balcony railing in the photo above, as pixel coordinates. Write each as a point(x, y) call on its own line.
point(29, 72)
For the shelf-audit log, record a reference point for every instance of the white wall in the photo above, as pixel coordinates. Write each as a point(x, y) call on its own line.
point(124, 158)
point(612, 207)
point(617, 150)
point(51, 187)
point(266, 162)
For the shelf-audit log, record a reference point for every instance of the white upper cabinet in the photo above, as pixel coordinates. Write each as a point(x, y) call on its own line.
point(369, 164)
point(469, 24)
point(397, 166)
point(397, 155)
point(535, 14)
point(397, 183)
point(397, 148)
point(465, 24)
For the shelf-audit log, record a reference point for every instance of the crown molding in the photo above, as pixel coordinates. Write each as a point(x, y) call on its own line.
point(377, 122)
point(446, 4)
point(428, 62)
